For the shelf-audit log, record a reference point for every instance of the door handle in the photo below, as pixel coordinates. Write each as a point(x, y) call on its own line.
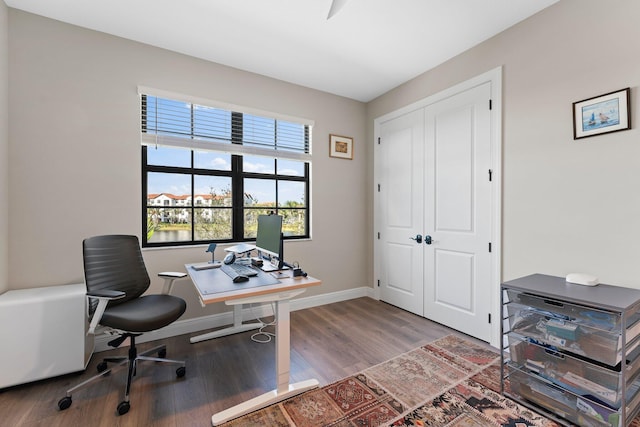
point(418, 238)
point(427, 239)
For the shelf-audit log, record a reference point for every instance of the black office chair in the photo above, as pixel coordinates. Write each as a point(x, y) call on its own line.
point(116, 278)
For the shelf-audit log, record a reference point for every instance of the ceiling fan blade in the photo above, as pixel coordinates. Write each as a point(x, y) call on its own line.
point(336, 5)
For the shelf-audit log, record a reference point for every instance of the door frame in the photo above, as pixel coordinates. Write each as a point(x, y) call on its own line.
point(494, 77)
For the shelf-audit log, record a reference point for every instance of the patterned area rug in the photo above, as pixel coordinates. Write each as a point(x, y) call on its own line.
point(449, 382)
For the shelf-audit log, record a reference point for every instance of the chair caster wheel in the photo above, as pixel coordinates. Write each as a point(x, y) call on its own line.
point(162, 353)
point(64, 403)
point(181, 371)
point(123, 408)
point(102, 366)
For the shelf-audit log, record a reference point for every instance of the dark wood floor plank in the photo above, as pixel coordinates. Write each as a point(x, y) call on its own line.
point(327, 343)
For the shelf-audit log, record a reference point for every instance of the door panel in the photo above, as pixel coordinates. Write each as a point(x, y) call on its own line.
point(454, 170)
point(399, 185)
point(458, 212)
point(455, 290)
point(401, 192)
point(400, 267)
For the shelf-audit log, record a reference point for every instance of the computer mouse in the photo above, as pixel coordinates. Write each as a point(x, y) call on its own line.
point(240, 279)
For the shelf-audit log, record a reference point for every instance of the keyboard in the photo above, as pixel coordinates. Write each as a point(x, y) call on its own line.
point(235, 270)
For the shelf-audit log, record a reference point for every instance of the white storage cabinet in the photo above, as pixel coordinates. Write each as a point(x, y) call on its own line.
point(43, 333)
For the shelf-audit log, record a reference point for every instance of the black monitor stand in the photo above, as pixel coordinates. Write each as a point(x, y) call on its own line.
point(281, 262)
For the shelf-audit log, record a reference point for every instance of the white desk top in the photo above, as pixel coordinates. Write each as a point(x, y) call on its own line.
point(204, 281)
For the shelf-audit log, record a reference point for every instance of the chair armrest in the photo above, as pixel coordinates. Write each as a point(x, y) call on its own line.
point(105, 293)
point(103, 297)
point(170, 277)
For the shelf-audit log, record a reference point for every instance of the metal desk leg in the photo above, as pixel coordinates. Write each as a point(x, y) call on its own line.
point(284, 389)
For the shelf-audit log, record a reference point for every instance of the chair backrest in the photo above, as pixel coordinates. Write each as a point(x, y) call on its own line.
point(114, 262)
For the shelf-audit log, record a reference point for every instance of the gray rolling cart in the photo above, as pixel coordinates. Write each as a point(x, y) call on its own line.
point(570, 351)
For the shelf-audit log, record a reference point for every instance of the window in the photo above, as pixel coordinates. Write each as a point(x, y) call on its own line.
point(209, 171)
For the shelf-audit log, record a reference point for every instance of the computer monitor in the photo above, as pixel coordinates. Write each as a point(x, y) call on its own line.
point(269, 237)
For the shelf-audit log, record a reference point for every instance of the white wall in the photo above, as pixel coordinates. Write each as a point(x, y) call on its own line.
point(75, 153)
point(568, 206)
point(4, 147)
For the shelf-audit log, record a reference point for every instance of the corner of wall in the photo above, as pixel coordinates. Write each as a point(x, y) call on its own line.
point(4, 146)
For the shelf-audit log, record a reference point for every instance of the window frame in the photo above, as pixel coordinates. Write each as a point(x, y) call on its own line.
point(237, 175)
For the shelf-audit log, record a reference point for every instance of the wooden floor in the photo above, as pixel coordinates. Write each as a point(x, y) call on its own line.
point(327, 343)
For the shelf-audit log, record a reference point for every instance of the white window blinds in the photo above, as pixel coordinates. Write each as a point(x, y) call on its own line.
point(179, 121)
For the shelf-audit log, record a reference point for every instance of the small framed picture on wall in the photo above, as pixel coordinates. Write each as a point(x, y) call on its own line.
point(341, 147)
point(602, 114)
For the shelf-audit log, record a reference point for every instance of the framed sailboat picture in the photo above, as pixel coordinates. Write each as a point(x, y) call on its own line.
point(602, 114)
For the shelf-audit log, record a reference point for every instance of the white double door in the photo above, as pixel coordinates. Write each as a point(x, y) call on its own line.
point(434, 211)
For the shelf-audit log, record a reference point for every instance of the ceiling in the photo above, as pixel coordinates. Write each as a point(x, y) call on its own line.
point(367, 48)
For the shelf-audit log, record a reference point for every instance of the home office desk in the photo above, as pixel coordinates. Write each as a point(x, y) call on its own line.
point(213, 285)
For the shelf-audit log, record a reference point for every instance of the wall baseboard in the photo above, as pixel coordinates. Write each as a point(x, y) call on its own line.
point(188, 326)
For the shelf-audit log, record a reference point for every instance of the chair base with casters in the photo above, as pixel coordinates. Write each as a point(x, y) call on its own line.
point(116, 281)
point(130, 361)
